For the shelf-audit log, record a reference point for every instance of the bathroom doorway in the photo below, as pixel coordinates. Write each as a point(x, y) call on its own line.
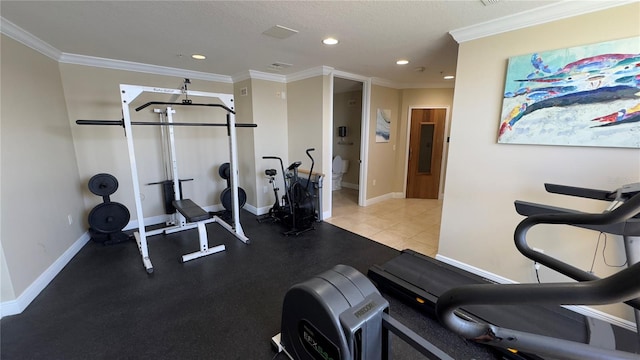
point(348, 113)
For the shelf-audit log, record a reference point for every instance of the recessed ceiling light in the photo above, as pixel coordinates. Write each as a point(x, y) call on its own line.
point(402, 62)
point(198, 57)
point(330, 41)
point(449, 77)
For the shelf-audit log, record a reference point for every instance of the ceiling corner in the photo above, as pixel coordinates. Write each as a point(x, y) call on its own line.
point(562, 10)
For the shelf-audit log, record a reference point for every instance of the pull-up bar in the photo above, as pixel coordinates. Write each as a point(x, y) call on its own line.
point(128, 93)
point(182, 104)
point(154, 123)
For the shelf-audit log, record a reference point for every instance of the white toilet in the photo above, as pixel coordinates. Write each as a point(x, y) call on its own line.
point(339, 168)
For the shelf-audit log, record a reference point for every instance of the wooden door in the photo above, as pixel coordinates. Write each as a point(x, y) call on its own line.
point(425, 153)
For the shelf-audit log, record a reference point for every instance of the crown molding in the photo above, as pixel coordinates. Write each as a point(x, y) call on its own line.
point(541, 15)
point(259, 75)
point(309, 73)
point(447, 84)
point(350, 76)
point(139, 67)
point(385, 83)
point(22, 36)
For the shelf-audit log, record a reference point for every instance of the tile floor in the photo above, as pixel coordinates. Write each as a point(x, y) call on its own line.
point(398, 223)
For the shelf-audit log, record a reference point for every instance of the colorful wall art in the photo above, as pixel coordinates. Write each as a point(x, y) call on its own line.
point(383, 125)
point(582, 96)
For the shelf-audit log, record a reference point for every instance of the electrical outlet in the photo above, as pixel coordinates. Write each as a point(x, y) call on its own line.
point(374, 182)
point(265, 189)
point(70, 219)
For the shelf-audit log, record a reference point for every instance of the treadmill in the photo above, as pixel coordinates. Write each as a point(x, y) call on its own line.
point(420, 280)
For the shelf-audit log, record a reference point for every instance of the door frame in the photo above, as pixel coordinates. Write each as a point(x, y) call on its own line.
point(445, 147)
point(364, 133)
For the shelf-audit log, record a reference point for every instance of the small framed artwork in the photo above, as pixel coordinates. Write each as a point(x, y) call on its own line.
point(581, 96)
point(383, 125)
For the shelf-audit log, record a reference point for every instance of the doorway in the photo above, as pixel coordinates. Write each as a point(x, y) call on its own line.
point(348, 112)
point(426, 147)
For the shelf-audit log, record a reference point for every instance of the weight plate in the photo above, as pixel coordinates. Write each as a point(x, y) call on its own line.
point(109, 217)
point(225, 171)
point(225, 198)
point(103, 184)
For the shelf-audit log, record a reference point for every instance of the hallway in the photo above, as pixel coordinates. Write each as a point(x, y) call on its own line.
point(398, 223)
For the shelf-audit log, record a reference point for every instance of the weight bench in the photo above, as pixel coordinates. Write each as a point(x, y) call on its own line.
point(195, 214)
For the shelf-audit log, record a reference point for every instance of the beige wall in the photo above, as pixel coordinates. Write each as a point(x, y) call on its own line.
point(309, 123)
point(305, 114)
point(40, 182)
point(270, 138)
point(245, 140)
point(382, 156)
point(484, 178)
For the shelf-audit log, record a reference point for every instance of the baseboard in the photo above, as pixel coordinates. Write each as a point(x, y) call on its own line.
point(580, 309)
point(18, 305)
point(255, 211)
point(398, 195)
point(378, 199)
point(350, 185)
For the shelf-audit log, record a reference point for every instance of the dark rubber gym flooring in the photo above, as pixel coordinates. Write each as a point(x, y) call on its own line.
point(103, 305)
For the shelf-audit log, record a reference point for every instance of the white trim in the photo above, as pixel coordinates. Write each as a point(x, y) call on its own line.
point(22, 36)
point(309, 73)
point(399, 86)
point(253, 210)
point(18, 305)
point(385, 83)
point(140, 67)
point(544, 14)
point(364, 130)
point(253, 74)
point(378, 199)
point(580, 309)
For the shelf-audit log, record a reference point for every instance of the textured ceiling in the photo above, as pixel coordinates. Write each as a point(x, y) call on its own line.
point(373, 34)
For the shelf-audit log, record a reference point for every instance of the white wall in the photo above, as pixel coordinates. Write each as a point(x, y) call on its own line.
point(484, 178)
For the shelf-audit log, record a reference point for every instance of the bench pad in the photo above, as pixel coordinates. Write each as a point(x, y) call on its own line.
point(192, 212)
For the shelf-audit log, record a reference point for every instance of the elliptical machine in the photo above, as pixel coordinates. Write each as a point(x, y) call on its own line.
point(296, 210)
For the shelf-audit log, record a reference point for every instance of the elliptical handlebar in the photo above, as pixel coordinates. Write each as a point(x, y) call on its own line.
point(312, 163)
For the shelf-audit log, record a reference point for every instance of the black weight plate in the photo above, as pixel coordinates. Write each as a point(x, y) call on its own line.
point(109, 217)
point(225, 171)
point(103, 184)
point(225, 198)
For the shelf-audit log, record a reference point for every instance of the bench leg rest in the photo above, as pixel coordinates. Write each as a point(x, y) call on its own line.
point(204, 244)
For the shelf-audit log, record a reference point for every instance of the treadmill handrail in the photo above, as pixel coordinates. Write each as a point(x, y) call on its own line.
point(596, 194)
point(616, 288)
point(620, 214)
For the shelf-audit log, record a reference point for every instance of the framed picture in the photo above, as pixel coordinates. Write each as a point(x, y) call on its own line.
point(383, 125)
point(581, 96)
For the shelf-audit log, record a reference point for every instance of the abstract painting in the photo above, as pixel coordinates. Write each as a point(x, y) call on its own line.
point(582, 96)
point(383, 125)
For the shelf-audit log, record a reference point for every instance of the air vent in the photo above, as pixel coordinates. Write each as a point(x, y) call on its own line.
point(278, 66)
point(489, 2)
point(280, 32)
